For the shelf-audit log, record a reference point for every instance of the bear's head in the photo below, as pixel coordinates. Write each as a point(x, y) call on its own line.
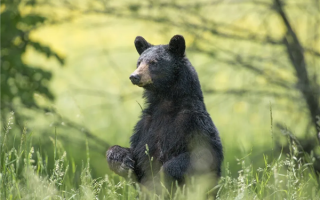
point(157, 65)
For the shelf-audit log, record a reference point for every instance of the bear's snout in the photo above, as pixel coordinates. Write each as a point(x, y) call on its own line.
point(135, 78)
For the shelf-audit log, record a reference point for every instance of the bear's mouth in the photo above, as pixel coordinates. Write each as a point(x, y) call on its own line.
point(140, 85)
point(140, 80)
point(143, 84)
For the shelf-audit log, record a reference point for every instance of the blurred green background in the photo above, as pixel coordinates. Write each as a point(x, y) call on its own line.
point(65, 69)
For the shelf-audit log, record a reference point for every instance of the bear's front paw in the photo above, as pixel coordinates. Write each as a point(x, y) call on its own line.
point(116, 154)
point(120, 160)
point(128, 162)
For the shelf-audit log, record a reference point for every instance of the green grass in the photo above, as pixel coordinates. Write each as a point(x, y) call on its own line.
point(24, 174)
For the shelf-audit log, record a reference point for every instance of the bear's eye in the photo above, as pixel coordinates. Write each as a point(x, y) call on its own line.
point(138, 63)
point(153, 61)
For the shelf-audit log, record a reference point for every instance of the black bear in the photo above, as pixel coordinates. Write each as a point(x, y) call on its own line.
point(175, 135)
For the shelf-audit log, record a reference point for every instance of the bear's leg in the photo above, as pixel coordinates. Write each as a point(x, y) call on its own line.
point(187, 164)
point(171, 171)
point(176, 168)
point(120, 161)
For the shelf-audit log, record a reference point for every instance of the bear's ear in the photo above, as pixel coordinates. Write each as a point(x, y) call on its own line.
point(177, 45)
point(141, 44)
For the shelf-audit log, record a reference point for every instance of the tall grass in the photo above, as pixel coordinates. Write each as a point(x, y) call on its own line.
point(24, 174)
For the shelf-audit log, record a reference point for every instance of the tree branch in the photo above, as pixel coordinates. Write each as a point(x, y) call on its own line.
point(296, 56)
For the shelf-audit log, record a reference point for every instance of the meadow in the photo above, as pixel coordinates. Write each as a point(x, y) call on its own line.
point(25, 175)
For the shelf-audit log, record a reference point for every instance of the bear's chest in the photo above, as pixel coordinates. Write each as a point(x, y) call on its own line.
point(163, 134)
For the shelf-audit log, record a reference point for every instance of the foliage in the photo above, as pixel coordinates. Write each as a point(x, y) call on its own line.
point(20, 81)
point(281, 178)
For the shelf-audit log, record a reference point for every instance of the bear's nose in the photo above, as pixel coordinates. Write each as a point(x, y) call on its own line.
point(135, 78)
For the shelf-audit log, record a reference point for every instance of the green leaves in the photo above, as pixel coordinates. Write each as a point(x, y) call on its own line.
point(46, 50)
point(32, 19)
point(19, 80)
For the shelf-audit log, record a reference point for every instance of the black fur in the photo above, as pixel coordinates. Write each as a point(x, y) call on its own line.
point(175, 124)
point(141, 44)
point(177, 45)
